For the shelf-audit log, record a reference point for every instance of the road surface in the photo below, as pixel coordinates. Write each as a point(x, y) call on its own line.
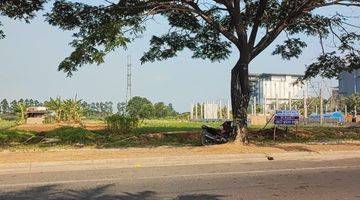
point(306, 179)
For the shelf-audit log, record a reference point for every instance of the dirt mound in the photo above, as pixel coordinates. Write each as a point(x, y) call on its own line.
point(49, 127)
point(280, 134)
point(184, 137)
point(36, 127)
point(94, 126)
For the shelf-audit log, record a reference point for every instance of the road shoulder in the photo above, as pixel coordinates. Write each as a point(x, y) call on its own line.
point(170, 160)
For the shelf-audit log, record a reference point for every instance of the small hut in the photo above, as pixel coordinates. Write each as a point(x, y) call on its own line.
point(36, 115)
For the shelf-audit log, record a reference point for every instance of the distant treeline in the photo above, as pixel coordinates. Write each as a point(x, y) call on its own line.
point(96, 109)
point(7, 107)
point(138, 106)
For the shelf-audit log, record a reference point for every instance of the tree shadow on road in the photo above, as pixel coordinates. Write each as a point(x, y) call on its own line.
point(104, 192)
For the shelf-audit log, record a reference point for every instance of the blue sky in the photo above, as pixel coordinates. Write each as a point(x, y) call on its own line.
point(30, 53)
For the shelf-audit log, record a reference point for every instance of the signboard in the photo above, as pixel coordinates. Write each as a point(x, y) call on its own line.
point(328, 117)
point(286, 117)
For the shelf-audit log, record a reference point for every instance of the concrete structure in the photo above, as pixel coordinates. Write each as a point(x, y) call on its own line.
point(275, 89)
point(36, 115)
point(210, 111)
point(270, 90)
point(349, 83)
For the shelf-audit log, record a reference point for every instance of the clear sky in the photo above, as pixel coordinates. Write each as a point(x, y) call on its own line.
point(30, 53)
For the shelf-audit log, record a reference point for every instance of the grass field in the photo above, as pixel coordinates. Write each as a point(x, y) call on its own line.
point(147, 134)
point(153, 126)
point(152, 133)
point(4, 124)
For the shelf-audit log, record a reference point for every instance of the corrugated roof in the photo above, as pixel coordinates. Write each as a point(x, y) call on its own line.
point(37, 111)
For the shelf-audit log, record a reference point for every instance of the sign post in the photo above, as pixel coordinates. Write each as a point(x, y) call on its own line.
point(285, 117)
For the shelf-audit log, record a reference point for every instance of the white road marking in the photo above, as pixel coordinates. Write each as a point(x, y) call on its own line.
point(180, 176)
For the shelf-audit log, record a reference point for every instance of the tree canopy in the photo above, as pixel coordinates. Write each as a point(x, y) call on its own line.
point(142, 108)
point(209, 28)
point(352, 103)
point(20, 10)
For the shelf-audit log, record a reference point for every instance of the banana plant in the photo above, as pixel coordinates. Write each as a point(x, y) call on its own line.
point(57, 106)
point(73, 110)
point(21, 109)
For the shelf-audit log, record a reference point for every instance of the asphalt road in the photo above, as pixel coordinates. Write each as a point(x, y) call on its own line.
point(336, 179)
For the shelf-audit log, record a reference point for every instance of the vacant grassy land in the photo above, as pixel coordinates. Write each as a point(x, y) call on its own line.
point(4, 124)
point(94, 133)
point(304, 134)
point(152, 133)
point(154, 126)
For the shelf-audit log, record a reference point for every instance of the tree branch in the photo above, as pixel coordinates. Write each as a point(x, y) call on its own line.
point(208, 20)
point(259, 14)
point(273, 34)
point(268, 39)
point(239, 26)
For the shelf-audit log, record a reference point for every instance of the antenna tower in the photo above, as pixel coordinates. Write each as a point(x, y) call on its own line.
point(128, 83)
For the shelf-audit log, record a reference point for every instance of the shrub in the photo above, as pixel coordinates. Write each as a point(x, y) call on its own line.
point(121, 124)
point(71, 135)
point(6, 124)
point(10, 117)
point(7, 137)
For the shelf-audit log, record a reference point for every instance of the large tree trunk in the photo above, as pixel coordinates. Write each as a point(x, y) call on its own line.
point(240, 96)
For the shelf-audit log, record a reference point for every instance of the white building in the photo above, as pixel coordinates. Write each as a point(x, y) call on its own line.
point(271, 88)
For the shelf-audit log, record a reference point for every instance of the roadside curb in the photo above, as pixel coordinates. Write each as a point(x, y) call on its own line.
point(38, 167)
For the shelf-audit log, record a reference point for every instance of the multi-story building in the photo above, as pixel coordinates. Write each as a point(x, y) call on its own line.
point(349, 83)
point(271, 88)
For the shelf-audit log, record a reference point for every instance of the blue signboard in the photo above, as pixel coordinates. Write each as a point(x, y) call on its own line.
point(333, 116)
point(286, 117)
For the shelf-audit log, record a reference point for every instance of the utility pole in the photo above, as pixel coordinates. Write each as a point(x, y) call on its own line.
point(321, 106)
point(128, 83)
point(206, 110)
point(264, 108)
point(196, 111)
point(254, 105)
point(191, 111)
point(290, 101)
point(305, 104)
